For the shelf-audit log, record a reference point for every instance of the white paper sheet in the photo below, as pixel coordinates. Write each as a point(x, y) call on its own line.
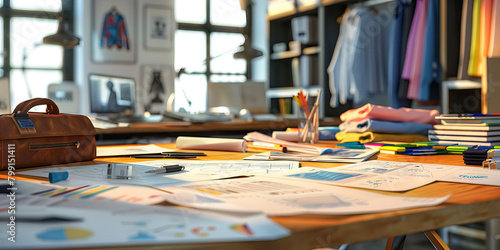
point(374, 181)
point(461, 174)
point(107, 151)
point(53, 194)
point(194, 171)
point(116, 224)
point(336, 155)
point(207, 143)
point(277, 196)
point(97, 175)
point(291, 146)
point(415, 171)
point(473, 175)
point(376, 175)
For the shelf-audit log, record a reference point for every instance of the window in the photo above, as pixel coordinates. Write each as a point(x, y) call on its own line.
point(214, 30)
point(30, 65)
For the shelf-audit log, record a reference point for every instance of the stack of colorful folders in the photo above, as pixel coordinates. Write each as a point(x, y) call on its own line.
point(415, 149)
point(475, 156)
point(468, 130)
point(378, 123)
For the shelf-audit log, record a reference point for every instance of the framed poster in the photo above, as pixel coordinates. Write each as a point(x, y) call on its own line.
point(158, 27)
point(154, 88)
point(113, 31)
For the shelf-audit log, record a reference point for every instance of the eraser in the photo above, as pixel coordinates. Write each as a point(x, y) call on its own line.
point(58, 176)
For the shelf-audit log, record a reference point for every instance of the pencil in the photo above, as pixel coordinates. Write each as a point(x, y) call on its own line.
point(269, 148)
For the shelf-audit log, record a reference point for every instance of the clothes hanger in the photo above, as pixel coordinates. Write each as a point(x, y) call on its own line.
point(339, 19)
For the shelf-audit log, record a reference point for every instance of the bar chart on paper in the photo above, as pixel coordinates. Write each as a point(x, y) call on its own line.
point(141, 195)
point(65, 234)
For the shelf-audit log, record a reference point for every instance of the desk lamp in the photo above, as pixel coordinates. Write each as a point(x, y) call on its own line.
point(246, 51)
point(63, 36)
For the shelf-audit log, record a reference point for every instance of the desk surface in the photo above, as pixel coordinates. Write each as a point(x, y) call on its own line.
point(468, 203)
point(224, 127)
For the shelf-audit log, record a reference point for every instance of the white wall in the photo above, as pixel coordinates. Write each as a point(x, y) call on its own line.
point(259, 40)
point(83, 60)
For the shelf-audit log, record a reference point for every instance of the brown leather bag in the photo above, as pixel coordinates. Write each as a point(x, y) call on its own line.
point(37, 139)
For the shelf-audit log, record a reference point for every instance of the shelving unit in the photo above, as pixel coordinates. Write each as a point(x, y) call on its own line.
point(291, 71)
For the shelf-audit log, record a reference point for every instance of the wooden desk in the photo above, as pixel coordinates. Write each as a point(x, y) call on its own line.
point(468, 203)
point(236, 128)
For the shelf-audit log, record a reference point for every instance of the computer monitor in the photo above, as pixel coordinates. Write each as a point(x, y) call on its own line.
point(111, 94)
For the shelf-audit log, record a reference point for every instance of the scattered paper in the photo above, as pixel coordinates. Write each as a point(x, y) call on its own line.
point(279, 196)
point(82, 224)
point(96, 174)
point(473, 175)
point(193, 171)
point(207, 143)
point(107, 151)
point(359, 179)
point(291, 146)
point(336, 155)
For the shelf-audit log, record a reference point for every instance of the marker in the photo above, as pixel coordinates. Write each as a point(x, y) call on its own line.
point(265, 144)
point(424, 153)
point(393, 148)
point(269, 148)
point(492, 153)
point(166, 169)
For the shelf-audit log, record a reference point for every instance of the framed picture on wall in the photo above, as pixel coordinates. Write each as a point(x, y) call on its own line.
point(154, 88)
point(113, 31)
point(158, 27)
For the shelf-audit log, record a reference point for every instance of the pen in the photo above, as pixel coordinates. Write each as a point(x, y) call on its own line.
point(265, 144)
point(165, 156)
point(184, 153)
point(270, 148)
point(172, 154)
point(166, 169)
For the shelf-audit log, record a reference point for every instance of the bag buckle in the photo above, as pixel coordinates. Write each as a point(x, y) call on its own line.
point(24, 123)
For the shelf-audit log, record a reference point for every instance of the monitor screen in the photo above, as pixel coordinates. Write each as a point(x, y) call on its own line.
point(111, 94)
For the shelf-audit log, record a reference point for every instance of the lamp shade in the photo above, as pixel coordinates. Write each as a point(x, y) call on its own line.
point(247, 52)
point(62, 37)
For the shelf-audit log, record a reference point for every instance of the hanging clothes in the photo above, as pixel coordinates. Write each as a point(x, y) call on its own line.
point(465, 39)
point(484, 34)
point(335, 74)
point(358, 68)
point(400, 30)
point(415, 70)
point(430, 79)
point(494, 48)
point(474, 44)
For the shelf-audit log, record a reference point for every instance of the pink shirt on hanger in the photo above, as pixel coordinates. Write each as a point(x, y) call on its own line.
point(494, 48)
point(416, 70)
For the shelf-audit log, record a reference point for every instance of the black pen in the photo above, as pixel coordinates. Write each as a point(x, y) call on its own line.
point(184, 153)
point(166, 169)
point(165, 156)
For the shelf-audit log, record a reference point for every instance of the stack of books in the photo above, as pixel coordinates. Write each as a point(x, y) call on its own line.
point(467, 129)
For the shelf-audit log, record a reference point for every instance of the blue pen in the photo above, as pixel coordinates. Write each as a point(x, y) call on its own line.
point(424, 153)
point(408, 150)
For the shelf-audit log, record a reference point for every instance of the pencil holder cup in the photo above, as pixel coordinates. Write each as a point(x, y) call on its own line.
point(309, 125)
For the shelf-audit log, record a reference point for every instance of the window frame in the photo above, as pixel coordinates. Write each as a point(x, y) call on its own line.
point(7, 13)
point(208, 29)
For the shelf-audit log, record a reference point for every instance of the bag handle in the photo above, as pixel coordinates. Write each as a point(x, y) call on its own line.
point(25, 106)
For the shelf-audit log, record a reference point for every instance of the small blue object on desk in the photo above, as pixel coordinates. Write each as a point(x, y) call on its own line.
point(58, 176)
point(328, 133)
point(351, 145)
